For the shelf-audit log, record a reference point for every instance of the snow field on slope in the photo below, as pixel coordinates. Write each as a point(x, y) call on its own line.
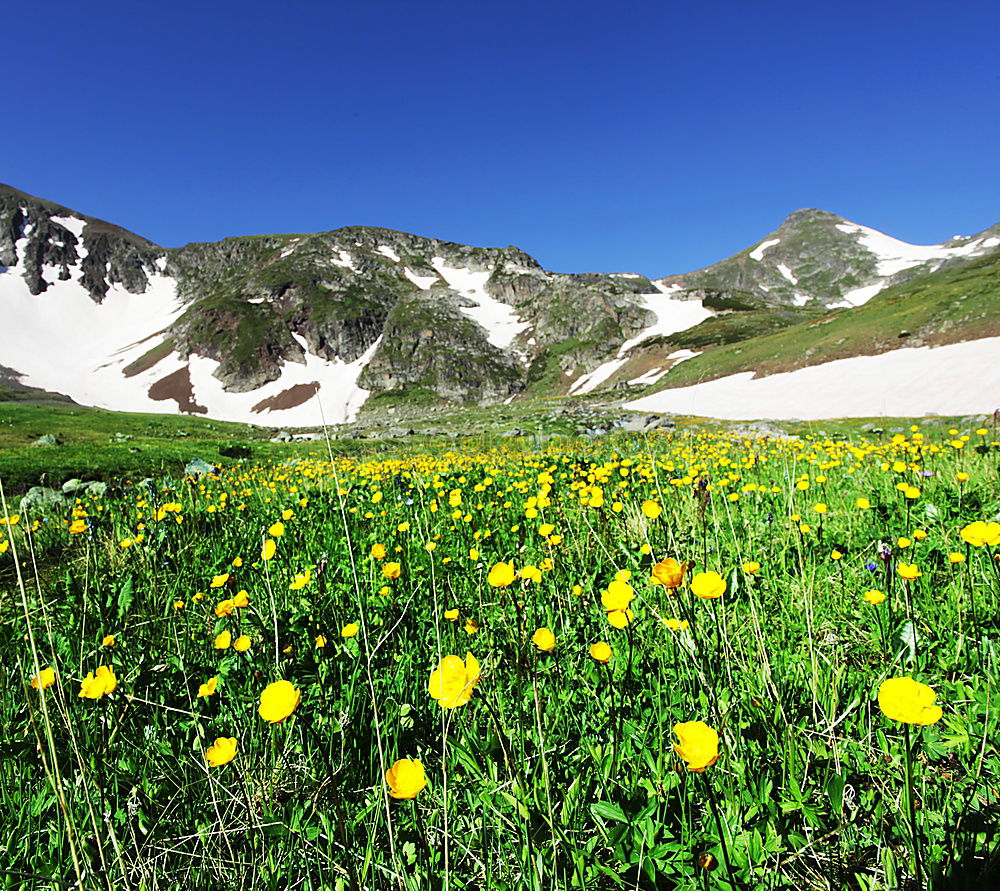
point(894, 255)
point(672, 315)
point(500, 321)
point(961, 378)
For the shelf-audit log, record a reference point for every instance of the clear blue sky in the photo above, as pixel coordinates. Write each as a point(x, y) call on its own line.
point(653, 137)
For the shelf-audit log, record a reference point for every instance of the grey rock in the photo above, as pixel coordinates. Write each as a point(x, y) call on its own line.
point(41, 500)
point(198, 467)
point(46, 441)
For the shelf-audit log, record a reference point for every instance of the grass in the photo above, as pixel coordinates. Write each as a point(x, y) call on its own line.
point(559, 771)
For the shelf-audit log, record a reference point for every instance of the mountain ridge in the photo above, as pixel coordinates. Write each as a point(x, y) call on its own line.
point(253, 327)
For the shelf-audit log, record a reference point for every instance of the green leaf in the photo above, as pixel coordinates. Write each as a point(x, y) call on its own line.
point(835, 792)
point(608, 811)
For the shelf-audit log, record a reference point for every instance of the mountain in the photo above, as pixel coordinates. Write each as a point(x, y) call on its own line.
point(253, 328)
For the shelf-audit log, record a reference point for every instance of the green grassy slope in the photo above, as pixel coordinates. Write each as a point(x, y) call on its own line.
point(947, 306)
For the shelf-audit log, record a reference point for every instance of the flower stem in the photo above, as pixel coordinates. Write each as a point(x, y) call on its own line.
point(911, 806)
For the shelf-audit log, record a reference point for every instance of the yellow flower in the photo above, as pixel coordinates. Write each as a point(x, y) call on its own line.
point(453, 681)
point(391, 570)
point(406, 778)
point(962, 477)
point(94, 687)
point(668, 573)
point(600, 651)
point(178, 604)
point(820, 509)
point(698, 746)
point(619, 618)
point(903, 543)
point(919, 534)
point(862, 503)
point(78, 526)
point(546, 529)
point(708, 585)
point(241, 599)
point(44, 679)
point(224, 607)
point(378, 551)
point(242, 643)
point(209, 688)
point(222, 751)
point(237, 562)
point(451, 615)
point(532, 573)
point(219, 580)
point(277, 530)
point(751, 567)
point(502, 575)
point(835, 554)
point(267, 552)
point(651, 509)
point(618, 595)
point(979, 534)
point(909, 571)
point(301, 580)
point(320, 641)
point(874, 597)
point(287, 515)
point(471, 626)
point(677, 624)
point(278, 701)
point(955, 557)
point(223, 641)
point(108, 641)
point(384, 591)
point(906, 700)
point(544, 639)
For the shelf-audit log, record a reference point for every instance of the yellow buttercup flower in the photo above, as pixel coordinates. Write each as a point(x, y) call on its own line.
point(44, 679)
point(219, 580)
point(979, 534)
point(874, 597)
point(320, 641)
point(501, 575)
point(223, 641)
point(956, 557)
point(267, 551)
point(406, 778)
point(108, 641)
point(277, 530)
point(350, 630)
point(224, 607)
point(600, 651)
point(242, 643)
point(651, 509)
point(241, 599)
point(209, 688)
point(278, 701)
point(677, 624)
point(453, 681)
point(378, 551)
point(908, 571)
point(451, 615)
point(906, 700)
point(708, 585)
point(668, 573)
point(544, 639)
point(222, 751)
point(95, 686)
point(698, 746)
point(471, 626)
point(392, 570)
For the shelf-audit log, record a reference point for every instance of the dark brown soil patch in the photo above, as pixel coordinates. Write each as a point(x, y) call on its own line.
point(148, 359)
point(177, 386)
point(290, 398)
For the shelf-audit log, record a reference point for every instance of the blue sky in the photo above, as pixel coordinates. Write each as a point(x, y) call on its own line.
point(651, 137)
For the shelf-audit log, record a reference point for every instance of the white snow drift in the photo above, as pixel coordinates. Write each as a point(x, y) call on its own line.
point(962, 378)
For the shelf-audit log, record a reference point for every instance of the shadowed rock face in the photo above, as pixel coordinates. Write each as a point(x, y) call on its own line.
point(110, 255)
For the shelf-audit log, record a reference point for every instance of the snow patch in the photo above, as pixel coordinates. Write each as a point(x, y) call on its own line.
point(346, 260)
point(387, 251)
point(758, 252)
point(893, 255)
point(961, 378)
point(593, 379)
point(500, 321)
point(787, 273)
point(74, 224)
point(421, 281)
point(672, 315)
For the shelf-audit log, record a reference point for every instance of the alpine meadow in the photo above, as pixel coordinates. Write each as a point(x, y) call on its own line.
point(681, 660)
